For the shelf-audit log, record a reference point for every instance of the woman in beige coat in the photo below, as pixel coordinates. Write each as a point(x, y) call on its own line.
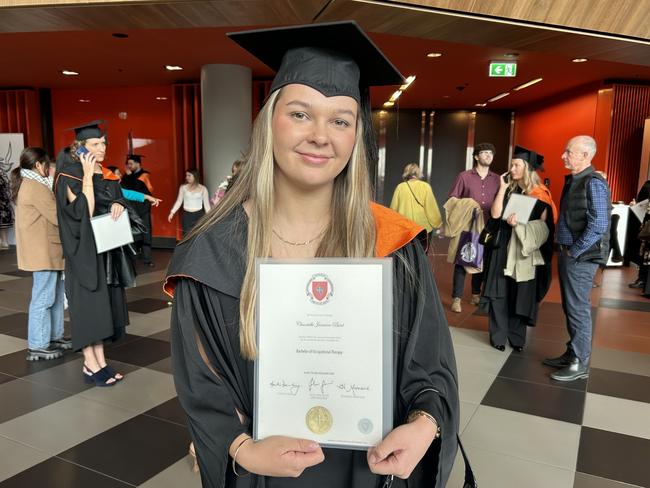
point(39, 250)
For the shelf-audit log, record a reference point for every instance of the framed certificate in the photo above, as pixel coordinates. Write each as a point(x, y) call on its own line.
point(324, 334)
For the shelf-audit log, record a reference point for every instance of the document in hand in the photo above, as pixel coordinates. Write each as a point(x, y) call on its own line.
point(110, 234)
point(639, 209)
point(521, 205)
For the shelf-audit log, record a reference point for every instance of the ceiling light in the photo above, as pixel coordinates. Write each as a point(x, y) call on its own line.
point(579, 60)
point(511, 55)
point(161, 98)
point(395, 95)
point(434, 55)
point(388, 104)
point(526, 85)
point(68, 72)
point(499, 96)
point(172, 67)
point(409, 80)
point(84, 100)
point(480, 104)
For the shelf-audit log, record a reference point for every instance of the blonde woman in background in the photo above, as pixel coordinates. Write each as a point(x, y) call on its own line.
point(414, 199)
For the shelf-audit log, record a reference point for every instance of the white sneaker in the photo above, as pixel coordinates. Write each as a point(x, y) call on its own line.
point(455, 305)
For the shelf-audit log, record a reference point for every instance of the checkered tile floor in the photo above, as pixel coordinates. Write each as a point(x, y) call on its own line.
point(520, 428)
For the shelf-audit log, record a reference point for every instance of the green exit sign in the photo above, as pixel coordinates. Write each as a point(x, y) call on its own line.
point(503, 69)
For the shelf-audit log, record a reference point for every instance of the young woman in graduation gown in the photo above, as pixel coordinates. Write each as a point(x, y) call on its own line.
point(513, 305)
point(304, 191)
point(94, 282)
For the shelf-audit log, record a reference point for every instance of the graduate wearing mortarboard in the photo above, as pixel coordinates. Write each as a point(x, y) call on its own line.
point(137, 179)
point(513, 298)
point(304, 191)
point(94, 282)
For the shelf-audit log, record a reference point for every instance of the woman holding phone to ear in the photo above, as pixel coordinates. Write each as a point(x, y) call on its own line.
point(514, 286)
point(94, 282)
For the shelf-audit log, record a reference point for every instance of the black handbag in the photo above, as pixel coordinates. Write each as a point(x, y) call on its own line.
point(138, 227)
point(491, 234)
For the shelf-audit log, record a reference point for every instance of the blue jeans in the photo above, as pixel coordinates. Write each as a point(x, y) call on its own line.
point(45, 322)
point(576, 283)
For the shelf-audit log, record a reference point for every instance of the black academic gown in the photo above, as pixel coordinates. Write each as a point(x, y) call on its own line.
point(525, 296)
point(94, 283)
point(207, 274)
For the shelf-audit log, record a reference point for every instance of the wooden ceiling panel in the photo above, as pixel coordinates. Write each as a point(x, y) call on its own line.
point(388, 17)
point(167, 15)
point(625, 17)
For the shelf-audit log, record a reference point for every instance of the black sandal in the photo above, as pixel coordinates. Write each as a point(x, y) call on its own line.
point(100, 378)
point(112, 372)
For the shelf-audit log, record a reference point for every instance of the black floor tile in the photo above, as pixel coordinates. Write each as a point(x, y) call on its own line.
point(620, 385)
point(164, 335)
point(20, 397)
point(133, 451)
point(18, 272)
point(12, 322)
point(21, 332)
point(69, 377)
point(535, 399)
point(152, 290)
point(614, 456)
point(141, 352)
point(4, 378)
point(57, 473)
point(533, 371)
point(638, 306)
point(171, 411)
point(15, 364)
point(147, 305)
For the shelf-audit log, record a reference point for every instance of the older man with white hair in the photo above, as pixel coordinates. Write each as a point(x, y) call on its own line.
point(583, 236)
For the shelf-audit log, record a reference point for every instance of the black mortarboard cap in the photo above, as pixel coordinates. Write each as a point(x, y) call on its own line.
point(534, 159)
point(89, 130)
point(335, 58)
point(135, 157)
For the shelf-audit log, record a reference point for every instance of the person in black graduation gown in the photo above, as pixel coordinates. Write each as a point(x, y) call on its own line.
point(513, 305)
point(633, 251)
point(304, 191)
point(94, 282)
point(138, 179)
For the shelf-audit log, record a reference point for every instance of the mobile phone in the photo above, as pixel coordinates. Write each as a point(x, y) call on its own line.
point(81, 150)
point(506, 177)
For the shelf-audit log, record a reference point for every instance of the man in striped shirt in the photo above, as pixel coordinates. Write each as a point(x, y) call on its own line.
point(583, 236)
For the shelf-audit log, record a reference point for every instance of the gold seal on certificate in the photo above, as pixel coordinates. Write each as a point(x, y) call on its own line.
point(319, 420)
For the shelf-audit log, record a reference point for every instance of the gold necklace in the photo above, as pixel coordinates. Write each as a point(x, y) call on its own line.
point(298, 243)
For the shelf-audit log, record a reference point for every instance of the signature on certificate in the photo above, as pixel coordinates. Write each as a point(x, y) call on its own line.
point(357, 391)
point(285, 388)
point(319, 385)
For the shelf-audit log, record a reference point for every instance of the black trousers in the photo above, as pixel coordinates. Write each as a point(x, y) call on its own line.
point(504, 323)
point(459, 282)
point(190, 219)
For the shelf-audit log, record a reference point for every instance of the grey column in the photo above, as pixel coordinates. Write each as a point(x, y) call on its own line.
point(226, 91)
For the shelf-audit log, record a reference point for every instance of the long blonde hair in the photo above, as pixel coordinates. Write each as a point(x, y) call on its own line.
point(351, 231)
point(529, 181)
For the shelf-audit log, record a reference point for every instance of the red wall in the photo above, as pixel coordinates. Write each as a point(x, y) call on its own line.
point(127, 109)
point(546, 127)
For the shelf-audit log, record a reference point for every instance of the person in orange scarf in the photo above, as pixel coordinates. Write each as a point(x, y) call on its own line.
point(512, 303)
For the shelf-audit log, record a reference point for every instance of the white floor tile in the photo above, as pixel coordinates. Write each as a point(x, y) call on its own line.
point(617, 415)
point(536, 439)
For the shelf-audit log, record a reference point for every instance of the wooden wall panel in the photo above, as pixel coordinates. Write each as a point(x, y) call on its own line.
point(19, 113)
point(631, 106)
